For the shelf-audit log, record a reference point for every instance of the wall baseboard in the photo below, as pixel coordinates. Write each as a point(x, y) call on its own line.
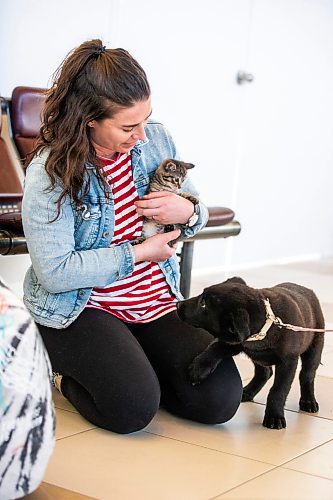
point(256, 265)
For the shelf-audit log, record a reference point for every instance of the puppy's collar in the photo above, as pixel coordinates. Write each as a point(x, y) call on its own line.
point(270, 319)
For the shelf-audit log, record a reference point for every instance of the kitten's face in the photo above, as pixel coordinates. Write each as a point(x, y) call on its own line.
point(173, 172)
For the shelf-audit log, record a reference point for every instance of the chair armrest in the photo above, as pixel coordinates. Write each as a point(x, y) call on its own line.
point(219, 216)
point(12, 239)
point(221, 224)
point(12, 242)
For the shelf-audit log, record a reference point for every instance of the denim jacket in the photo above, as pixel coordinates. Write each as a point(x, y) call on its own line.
point(72, 255)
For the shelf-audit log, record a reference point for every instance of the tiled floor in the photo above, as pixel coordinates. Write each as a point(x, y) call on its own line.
point(174, 459)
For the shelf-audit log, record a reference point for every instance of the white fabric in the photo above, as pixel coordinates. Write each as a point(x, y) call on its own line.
point(27, 418)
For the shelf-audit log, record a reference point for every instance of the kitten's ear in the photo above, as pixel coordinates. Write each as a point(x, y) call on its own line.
point(188, 166)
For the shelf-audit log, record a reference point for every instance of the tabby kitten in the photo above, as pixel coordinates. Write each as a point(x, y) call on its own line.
point(169, 176)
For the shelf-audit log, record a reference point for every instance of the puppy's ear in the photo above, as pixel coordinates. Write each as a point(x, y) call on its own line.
point(236, 279)
point(240, 324)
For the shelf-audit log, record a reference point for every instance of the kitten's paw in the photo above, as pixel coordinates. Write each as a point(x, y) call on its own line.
point(169, 227)
point(190, 197)
point(137, 241)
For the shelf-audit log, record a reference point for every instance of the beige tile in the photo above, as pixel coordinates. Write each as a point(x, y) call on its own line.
point(326, 368)
point(69, 423)
point(281, 484)
point(144, 466)
point(50, 492)
point(245, 366)
point(61, 402)
point(245, 436)
point(317, 462)
point(323, 391)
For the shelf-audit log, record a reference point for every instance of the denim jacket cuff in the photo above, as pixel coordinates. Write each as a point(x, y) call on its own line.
point(125, 258)
point(201, 222)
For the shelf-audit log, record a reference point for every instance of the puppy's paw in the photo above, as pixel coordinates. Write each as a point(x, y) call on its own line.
point(274, 422)
point(247, 396)
point(199, 370)
point(308, 405)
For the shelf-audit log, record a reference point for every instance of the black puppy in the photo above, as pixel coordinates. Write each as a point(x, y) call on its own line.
point(242, 319)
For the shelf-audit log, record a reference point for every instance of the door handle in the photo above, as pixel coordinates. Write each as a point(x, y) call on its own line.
point(243, 77)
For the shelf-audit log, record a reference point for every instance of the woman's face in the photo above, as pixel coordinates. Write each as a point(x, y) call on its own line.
point(120, 133)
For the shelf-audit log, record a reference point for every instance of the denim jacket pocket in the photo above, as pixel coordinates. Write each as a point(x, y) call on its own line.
point(88, 223)
point(141, 181)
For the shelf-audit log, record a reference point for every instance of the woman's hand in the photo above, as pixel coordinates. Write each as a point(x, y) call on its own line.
point(165, 207)
point(156, 248)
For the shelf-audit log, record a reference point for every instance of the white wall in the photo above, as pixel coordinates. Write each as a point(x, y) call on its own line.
point(264, 149)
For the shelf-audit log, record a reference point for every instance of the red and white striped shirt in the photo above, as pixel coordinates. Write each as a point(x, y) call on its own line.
point(144, 295)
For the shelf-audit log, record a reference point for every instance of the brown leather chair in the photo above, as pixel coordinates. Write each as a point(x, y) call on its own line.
point(25, 119)
point(11, 234)
point(9, 178)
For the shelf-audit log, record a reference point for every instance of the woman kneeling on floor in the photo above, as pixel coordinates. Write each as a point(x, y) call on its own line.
point(106, 309)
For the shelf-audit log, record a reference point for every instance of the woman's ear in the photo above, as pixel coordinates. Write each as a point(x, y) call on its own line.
point(91, 123)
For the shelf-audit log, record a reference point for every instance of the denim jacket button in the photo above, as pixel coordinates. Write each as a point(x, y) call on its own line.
point(82, 293)
point(106, 234)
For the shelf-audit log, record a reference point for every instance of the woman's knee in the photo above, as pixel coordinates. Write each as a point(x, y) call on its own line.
point(123, 407)
point(219, 397)
point(136, 415)
point(133, 407)
point(213, 401)
point(216, 409)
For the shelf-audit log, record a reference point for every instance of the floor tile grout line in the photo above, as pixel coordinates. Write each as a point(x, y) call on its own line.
point(308, 451)
point(65, 409)
point(75, 434)
point(305, 413)
point(244, 482)
point(309, 415)
point(305, 453)
point(264, 474)
point(308, 473)
point(282, 464)
point(212, 449)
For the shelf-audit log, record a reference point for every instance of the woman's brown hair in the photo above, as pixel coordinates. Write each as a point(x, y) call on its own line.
point(92, 83)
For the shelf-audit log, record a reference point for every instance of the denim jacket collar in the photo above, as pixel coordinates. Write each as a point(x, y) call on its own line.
point(135, 152)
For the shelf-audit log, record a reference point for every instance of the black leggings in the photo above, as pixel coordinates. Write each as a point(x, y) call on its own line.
point(115, 373)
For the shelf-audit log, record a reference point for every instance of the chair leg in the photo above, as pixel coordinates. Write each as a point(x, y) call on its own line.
point(186, 258)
